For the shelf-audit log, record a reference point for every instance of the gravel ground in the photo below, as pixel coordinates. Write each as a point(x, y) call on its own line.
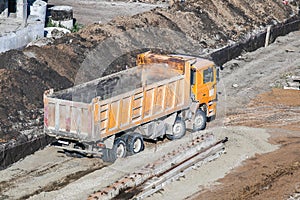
point(257, 72)
point(277, 113)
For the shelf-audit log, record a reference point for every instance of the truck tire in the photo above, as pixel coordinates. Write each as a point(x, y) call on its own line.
point(178, 130)
point(135, 143)
point(199, 121)
point(118, 151)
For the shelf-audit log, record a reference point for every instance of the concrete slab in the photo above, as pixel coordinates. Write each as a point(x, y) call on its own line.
point(8, 25)
point(14, 35)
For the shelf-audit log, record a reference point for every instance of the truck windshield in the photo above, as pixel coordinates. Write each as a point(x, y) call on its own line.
point(208, 75)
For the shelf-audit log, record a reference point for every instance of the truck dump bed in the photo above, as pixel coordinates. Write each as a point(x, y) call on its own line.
point(108, 105)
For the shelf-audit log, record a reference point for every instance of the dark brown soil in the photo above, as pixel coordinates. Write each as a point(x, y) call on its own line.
point(23, 81)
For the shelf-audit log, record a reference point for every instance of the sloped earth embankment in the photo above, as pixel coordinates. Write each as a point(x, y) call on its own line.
point(195, 27)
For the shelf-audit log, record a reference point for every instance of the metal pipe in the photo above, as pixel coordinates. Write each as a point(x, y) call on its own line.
point(268, 36)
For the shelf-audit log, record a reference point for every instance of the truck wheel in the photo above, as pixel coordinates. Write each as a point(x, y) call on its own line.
point(119, 148)
point(199, 121)
point(118, 151)
point(135, 143)
point(178, 130)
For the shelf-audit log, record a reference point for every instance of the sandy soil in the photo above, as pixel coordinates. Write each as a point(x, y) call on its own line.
point(244, 143)
point(273, 175)
point(51, 175)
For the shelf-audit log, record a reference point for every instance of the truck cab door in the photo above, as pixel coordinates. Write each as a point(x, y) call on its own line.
point(206, 82)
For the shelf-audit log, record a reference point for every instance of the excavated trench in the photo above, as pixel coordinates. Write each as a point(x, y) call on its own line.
point(15, 151)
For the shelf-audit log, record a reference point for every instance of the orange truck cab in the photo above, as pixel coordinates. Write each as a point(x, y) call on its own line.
point(202, 79)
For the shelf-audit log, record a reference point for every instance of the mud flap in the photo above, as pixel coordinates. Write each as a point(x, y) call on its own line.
point(169, 121)
point(109, 142)
point(193, 108)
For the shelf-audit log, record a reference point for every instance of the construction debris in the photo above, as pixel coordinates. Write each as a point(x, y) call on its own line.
point(293, 83)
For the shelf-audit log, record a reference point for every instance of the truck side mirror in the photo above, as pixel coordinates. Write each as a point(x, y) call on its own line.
point(218, 74)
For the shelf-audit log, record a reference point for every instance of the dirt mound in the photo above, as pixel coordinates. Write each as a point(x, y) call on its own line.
point(211, 23)
point(23, 81)
point(63, 56)
point(193, 27)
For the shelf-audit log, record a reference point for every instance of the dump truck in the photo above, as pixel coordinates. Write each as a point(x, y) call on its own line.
point(163, 96)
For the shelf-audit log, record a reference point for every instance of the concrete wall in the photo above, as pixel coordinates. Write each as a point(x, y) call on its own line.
point(21, 37)
point(20, 8)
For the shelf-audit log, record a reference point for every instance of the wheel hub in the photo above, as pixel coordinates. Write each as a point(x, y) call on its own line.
point(176, 129)
point(137, 145)
point(120, 151)
point(198, 120)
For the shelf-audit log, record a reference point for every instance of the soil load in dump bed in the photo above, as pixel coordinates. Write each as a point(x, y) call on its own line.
point(117, 84)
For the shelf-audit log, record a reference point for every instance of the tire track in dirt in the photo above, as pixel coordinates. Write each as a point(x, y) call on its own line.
point(275, 109)
point(45, 171)
point(5, 185)
point(64, 181)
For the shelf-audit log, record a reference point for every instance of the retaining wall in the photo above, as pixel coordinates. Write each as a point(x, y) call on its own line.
point(22, 36)
point(13, 153)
